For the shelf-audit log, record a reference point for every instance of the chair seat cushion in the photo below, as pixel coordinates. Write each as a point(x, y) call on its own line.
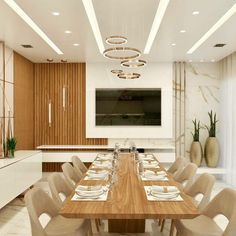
point(61, 226)
point(199, 226)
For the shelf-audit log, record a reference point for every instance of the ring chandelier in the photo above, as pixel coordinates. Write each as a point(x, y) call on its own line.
point(128, 75)
point(114, 40)
point(133, 63)
point(116, 71)
point(108, 53)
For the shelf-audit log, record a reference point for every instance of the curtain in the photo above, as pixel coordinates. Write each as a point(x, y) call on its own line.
point(228, 117)
point(179, 84)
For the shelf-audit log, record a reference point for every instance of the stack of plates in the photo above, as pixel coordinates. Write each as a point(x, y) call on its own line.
point(164, 192)
point(92, 174)
point(89, 192)
point(150, 164)
point(102, 164)
point(105, 156)
point(159, 175)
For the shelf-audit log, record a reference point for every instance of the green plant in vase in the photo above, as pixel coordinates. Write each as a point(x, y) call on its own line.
point(11, 146)
point(196, 148)
point(211, 151)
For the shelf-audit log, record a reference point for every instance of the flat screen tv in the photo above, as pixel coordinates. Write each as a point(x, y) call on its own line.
point(128, 107)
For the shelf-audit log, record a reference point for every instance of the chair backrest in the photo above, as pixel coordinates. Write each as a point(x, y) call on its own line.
point(71, 176)
point(224, 203)
point(202, 185)
point(58, 186)
point(177, 166)
point(186, 176)
point(78, 164)
point(38, 202)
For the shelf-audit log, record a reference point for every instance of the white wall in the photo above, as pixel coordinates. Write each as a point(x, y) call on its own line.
point(154, 75)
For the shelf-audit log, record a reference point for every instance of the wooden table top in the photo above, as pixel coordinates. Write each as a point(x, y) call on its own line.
point(127, 199)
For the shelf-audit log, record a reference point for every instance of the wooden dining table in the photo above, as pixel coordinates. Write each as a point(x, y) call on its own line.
point(127, 207)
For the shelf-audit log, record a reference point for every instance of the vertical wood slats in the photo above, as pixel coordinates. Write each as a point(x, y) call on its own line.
point(69, 126)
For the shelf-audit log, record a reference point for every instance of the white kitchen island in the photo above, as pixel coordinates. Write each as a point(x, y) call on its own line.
point(19, 173)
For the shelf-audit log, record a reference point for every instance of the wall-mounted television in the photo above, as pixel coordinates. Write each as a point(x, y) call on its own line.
point(128, 107)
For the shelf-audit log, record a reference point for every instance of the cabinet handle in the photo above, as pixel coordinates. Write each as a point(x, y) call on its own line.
point(50, 113)
point(64, 98)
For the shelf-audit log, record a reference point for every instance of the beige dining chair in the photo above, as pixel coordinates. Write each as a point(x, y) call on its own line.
point(177, 166)
point(185, 178)
point(78, 164)
point(71, 176)
point(203, 186)
point(38, 202)
point(224, 203)
point(59, 188)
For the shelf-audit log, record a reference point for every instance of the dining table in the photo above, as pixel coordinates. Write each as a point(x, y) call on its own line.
point(127, 206)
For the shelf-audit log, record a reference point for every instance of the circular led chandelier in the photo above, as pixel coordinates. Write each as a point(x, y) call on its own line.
point(133, 63)
point(108, 53)
point(116, 71)
point(114, 40)
point(124, 75)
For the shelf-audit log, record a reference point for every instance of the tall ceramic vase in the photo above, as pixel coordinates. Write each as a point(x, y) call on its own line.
point(212, 151)
point(196, 153)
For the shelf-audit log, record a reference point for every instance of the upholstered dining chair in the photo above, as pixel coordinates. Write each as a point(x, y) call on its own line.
point(78, 164)
point(224, 203)
point(203, 186)
point(71, 176)
point(38, 202)
point(177, 166)
point(185, 178)
point(59, 188)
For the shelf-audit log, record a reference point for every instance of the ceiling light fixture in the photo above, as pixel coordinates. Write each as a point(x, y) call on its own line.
point(12, 4)
point(49, 60)
point(212, 30)
point(133, 63)
point(195, 13)
point(76, 44)
point(182, 31)
point(68, 32)
point(88, 5)
point(63, 60)
point(128, 75)
point(213, 60)
point(55, 13)
point(163, 4)
point(201, 60)
point(114, 40)
point(173, 44)
point(116, 71)
point(136, 53)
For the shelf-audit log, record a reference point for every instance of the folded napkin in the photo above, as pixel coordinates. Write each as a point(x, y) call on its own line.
point(102, 164)
point(88, 188)
point(97, 172)
point(153, 173)
point(105, 156)
point(164, 189)
point(89, 191)
point(150, 164)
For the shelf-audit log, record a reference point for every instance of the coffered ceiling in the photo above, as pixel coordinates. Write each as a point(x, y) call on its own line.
point(130, 18)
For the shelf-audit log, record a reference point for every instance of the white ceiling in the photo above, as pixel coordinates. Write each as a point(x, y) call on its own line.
point(130, 18)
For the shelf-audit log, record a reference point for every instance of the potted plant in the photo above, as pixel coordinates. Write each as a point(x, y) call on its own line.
point(211, 150)
point(11, 146)
point(196, 148)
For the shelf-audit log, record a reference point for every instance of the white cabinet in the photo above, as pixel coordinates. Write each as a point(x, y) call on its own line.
point(19, 173)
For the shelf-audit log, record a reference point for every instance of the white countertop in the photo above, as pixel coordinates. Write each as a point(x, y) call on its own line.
point(19, 155)
point(77, 147)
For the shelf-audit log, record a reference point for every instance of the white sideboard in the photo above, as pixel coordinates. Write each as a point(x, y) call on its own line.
point(19, 173)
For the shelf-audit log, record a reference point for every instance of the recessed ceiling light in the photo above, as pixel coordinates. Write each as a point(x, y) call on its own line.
point(162, 6)
point(212, 30)
point(182, 31)
point(201, 60)
point(76, 44)
point(173, 44)
point(12, 4)
point(213, 60)
point(88, 5)
point(55, 13)
point(190, 60)
point(195, 13)
point(68, 32)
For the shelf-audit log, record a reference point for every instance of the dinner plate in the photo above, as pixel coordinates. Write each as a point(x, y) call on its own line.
point(89, 194)
point(164, 196)
point(155, 177)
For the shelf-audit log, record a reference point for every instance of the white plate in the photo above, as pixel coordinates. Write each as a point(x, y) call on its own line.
point(89, 194)
point(165, 196)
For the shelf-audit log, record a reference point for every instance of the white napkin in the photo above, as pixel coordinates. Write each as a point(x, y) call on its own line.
point(102, 164)
point(164, 189)
point(88, 188)
point(87, 191)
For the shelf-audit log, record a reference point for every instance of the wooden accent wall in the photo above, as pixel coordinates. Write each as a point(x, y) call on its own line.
point(68, 126)
point(23, 102)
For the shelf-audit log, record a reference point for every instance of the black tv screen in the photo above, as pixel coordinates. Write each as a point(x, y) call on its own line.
point(128, 107)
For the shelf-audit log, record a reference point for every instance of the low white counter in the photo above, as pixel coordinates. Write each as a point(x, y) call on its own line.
point(18, 174)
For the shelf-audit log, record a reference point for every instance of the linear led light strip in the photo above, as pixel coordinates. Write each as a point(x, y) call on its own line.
point(163, 4)
point(212, 30)
point(12, 4)
point(88, 5)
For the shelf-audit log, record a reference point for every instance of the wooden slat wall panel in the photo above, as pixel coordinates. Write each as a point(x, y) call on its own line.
point(69, 126)
point(23, 102)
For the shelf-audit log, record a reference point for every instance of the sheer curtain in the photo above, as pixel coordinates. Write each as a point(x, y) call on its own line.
point(228, 117)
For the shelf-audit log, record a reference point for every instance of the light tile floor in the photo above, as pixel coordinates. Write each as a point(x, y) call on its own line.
point(14, 218)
